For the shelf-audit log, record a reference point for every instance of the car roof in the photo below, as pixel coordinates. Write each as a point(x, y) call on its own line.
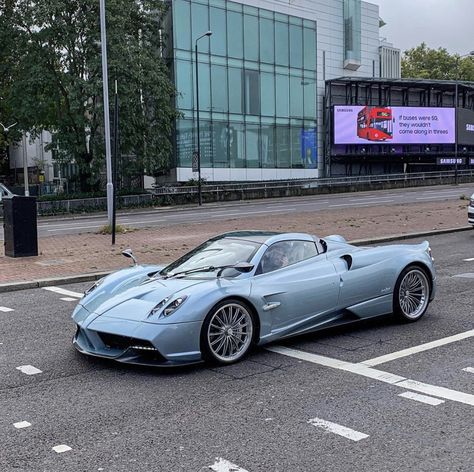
point(264, 237)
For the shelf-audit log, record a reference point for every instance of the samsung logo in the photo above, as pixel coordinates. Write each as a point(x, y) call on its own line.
point(469, 127)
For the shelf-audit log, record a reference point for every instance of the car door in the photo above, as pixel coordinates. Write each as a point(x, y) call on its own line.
point(297, 292)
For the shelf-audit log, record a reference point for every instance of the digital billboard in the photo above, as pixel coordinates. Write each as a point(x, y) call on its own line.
point(465, 126)
point(393, 125)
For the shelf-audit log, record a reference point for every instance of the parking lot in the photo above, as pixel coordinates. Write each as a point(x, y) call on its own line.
point(378, 396)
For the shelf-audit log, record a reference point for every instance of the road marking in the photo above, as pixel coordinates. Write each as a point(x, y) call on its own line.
point(22, 424)
point(29, 369)
point(469, 260)
point(420, 348)
point(365, 371)
point(63, 291)
point(222, 465)
point(421, 398)
point(68, 299)
point(469, 369)
point(338, 429)
point(61, 448)
point(467, 275)
point(69, 228)
point(5, 309)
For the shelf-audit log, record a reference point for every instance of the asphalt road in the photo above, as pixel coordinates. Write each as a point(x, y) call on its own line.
point(211, 212)
point(271, 412)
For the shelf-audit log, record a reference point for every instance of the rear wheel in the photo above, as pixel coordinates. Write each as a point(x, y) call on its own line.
point(412, 294)
point(227, 333)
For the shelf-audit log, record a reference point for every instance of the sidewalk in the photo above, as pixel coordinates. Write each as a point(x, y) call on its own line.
point(63, 256)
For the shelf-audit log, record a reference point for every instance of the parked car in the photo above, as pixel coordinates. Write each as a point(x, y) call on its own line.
point(4, 192)
point(245, 288)
point(470, 210)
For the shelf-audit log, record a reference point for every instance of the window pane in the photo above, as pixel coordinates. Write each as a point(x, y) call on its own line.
point(283, 150)
point(184, 85)
point(234, 34)
point(206, 143)
point(296, 46)
point(184, 142)
point(204, 88)
point(309, 91)
point(236, 145)
point(296, 145)
point(267, 41)
point(296, 97)
point(200, 24)
point(219, 89)
point(267, 146)
point(282, 96)
point(251, 92)
point(251, 37)
point(252, 145)
point(221, 135)
point(218, 27)
point(309, 36)
point(267, 83)
point(235, 90)
point(181, 24)
point(281, 43)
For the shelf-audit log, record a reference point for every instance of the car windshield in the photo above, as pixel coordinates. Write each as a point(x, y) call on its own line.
point(215, 253)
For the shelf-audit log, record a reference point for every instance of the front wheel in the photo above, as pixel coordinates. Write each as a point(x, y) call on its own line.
point(412, 294)
point(227, 332)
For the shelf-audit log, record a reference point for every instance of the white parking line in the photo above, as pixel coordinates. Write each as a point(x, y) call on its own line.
point(420, 348)
point(421, 398)
point(61, 448)
point(469, 260)
point(68, 299)
point(69, 228)
point(469, 369)
point(5, 309)
point(338, 429)
point(365, 371)
point(29, 370)
point(63, 291)
point(222, 465)
point(21, 424)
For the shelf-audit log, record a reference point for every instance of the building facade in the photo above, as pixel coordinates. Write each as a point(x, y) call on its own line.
point(261, 79)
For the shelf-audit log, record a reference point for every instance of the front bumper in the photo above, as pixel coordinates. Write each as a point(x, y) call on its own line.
point(140, 343)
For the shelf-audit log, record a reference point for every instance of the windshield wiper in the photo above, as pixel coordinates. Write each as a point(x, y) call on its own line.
point(240, 266)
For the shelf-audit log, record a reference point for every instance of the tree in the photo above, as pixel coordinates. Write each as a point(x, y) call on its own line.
point(59, 81)
point(436, 64)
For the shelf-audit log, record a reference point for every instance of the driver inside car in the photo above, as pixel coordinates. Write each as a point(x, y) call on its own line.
point(276, 257)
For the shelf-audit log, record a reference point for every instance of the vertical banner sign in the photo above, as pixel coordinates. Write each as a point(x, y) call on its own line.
point(195, 163)
point(465, 126)
point(309, 151)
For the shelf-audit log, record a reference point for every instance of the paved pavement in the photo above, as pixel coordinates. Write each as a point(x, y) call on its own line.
point(75, 254)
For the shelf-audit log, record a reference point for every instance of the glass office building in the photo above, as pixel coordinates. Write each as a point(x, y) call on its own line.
point(257, 90)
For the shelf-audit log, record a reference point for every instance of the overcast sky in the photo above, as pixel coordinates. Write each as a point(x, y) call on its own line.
point(439, 23)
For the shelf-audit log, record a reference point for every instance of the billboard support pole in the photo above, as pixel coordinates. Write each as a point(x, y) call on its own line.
point(456, 136)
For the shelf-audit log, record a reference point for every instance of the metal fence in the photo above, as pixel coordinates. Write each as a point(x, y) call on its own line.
point(439, 176)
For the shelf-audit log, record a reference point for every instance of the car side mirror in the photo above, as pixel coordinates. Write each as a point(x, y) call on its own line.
point(129, 253)
point(243, 267)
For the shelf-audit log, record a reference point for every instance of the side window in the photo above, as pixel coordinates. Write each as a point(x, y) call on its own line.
point(286, 253)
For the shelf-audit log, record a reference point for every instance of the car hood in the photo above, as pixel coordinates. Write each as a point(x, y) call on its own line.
point(136, 303)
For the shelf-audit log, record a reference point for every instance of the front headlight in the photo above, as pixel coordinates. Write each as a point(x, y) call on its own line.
point(167, 307)
point(471, 202)
point(94, 286)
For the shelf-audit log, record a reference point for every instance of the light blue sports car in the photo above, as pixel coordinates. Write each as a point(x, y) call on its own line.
point(248, 288)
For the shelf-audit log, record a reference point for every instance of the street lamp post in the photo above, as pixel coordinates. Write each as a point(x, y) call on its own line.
point(105, 80)
point(208, 33)
point(470, 54)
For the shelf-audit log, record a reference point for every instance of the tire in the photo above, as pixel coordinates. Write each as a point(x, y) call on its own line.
point(228, 332)
point(412, 292)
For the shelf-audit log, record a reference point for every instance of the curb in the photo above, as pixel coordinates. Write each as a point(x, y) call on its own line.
point(10, 287)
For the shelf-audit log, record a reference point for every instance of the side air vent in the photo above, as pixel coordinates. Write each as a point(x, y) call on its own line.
point(348, 260)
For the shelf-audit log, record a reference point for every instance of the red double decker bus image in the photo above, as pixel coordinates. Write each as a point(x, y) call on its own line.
point(375, 123)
